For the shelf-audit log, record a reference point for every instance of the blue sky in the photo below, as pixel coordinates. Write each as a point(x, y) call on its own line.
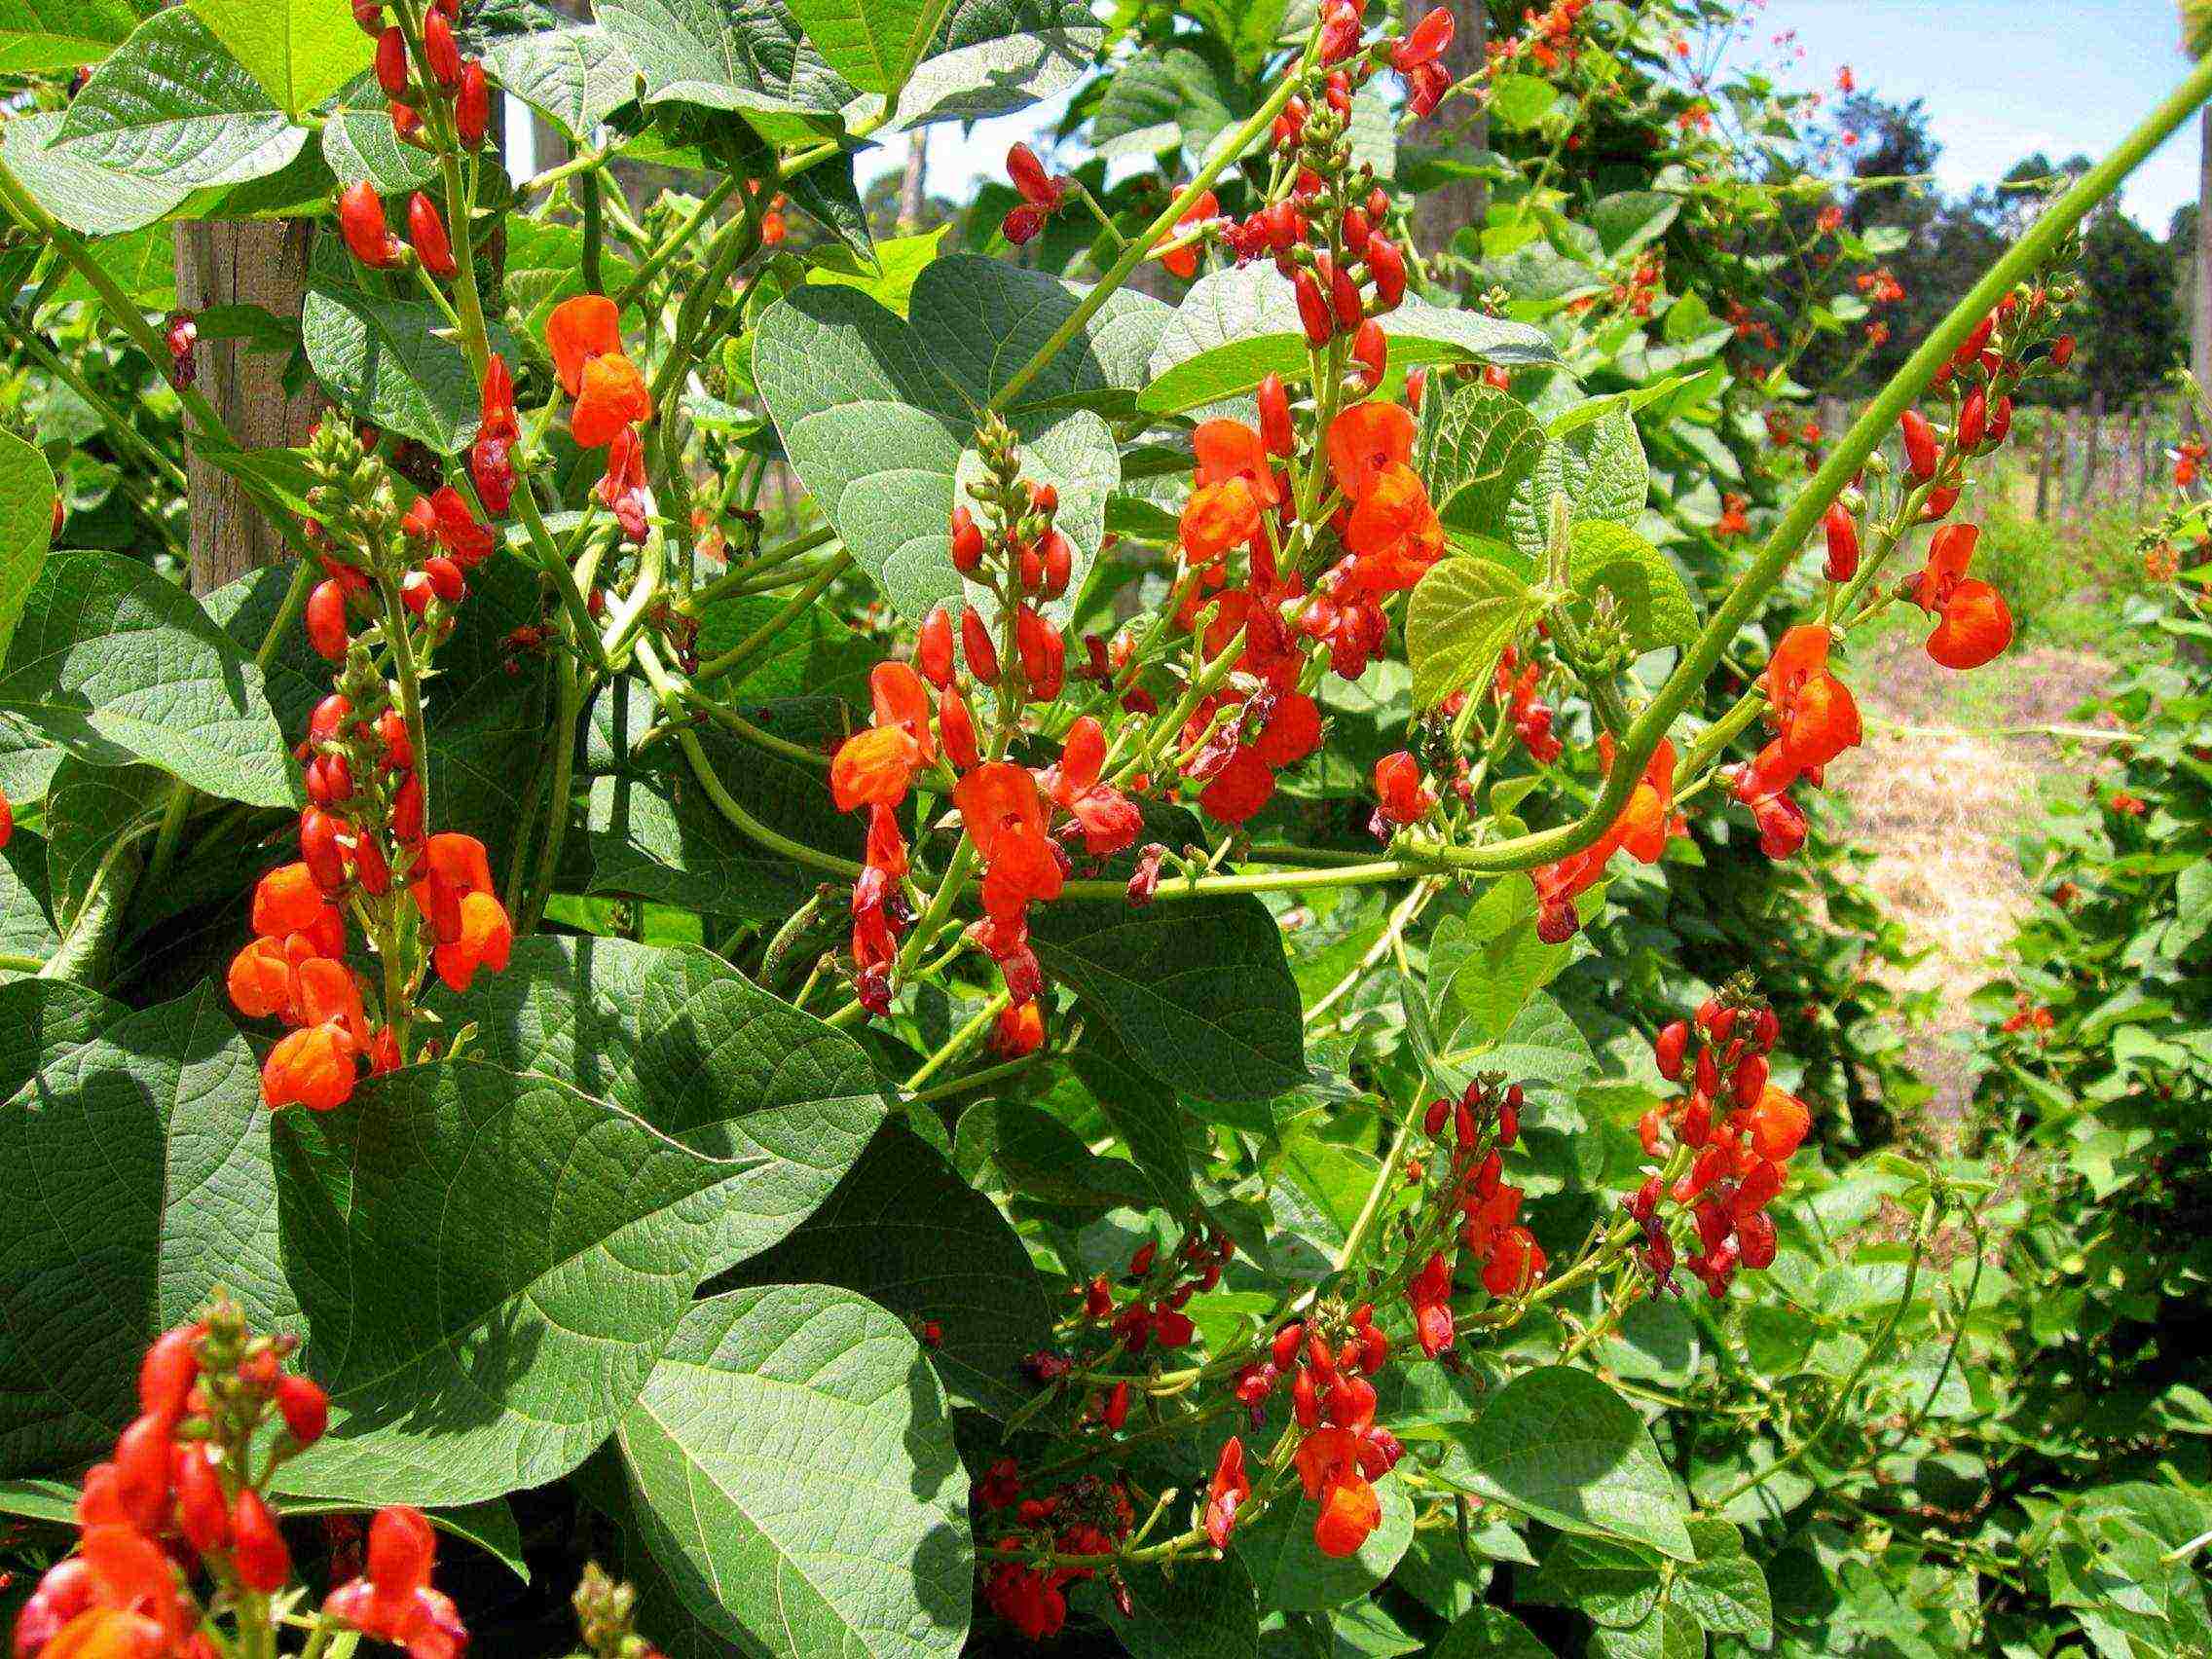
point(2000, 79)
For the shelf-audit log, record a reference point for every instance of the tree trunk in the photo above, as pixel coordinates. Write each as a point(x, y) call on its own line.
point(1439, 215)
point(913, 185)
point(253, 262)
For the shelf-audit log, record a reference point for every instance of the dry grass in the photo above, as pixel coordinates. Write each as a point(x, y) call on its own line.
point(1941, 801)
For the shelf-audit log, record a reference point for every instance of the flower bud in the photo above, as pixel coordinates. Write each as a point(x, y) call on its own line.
point(361, 222)
point(1388, 267)
point(257, 1548)
point(427, 231)
point(1275, 430)
point(303, 1407)
point(440, 50)
point(1670, 1047)
point(1920, 450)
point(391, 63)
point(1843, 543)
point(472, 105)
point(933, 648)
point(1312, 309)
point(326, 621)
point(977, 646)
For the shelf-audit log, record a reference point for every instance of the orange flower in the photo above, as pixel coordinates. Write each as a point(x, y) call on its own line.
point(1649, 818)
point(1976, 625)
point(585, 335)
point(1778, 1122)
point(1328, 1467)
point(1229, 449)
point(901, 699)
point(107, 1633)
point(450, 867)
point(1230, 1487)
point(1240, 788)
point(1005, 817)
point(393, 1601)
point(1366, 441)
point(312, 1067)
point(874, 768)
point(1394, 534)
point(1218, 517)
point(287, 901)
point(1019, 1030)
point(487, 936)
point(1815, 715)
point(1110, 820)
point(1325, 1457)
point(261, 982)
point(1182, 262)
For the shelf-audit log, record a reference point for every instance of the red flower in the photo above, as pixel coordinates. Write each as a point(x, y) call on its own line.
point(392, 1600)
point(466, 541)
point(1019, 1030)
point(1328, 1466)
point(1231, 1486)
point(1815, 715)
point(1029, 1599)
point(1109, 819)
point(1429, 1298)
point(1649, 819)
point(1218, 517)
point(1976, 626)
point(1399, 796)
point(873, 768)
point(1394, 533)
point(1005, 817)
point(361, 223)
point(623, 486)
point(585, 335)
point(1243, 785)
point(452, 888)
point(497, 430)
point(1365, 442)
point(1184, 261)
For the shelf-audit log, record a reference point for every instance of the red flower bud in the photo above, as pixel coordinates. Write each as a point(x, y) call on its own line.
point(472, 105)
point(1314, 309)
point(1371, 353)
point(445, 579)
point(440, 50)
point(398, 745)
point(957, 726)
point(933, 648)
point(1277, 432)
point(325, 859)
point(1843, 543)
point(1285, 1348)
point(1028, 174)
point(1021, 224)
point(2062, 351)
point(427, 231)
point(1345, 300)
point(1920, 450)
point(975, 644)
point(967, 540)
point(391, 63)
point(361, 222)
point(166, 1374)
point(1388, 266)
point(304, 1406)
point(1973, 422)
point(257, 1548)
point(1670, 1046)
point(1356, 232)
point(202, 1514)
point(326, 620)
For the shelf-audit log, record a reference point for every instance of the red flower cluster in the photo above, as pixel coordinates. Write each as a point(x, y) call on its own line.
point(1975, 623)
point(1646, 823)
point(1086, 1518)
point(392, 1599)
point(1741, 1156)
point(1516, 684)
point(1815, 721)
point(295, 970)
point(176, 1496)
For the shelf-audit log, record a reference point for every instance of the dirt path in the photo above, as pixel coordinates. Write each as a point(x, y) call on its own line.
point(1944, 804)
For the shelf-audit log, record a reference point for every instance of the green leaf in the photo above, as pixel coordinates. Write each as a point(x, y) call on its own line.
point(906, 1231)
point(88, 809)
point(395, 362)
point(1009, 1147)
point(361, 144)
point(1196, 991)
point(1600, 470)
point(1489, 965)
point(877, 416)
point(300, 51)
point(116, 664)
point(61, 34)
point(1290, 1572)
point(1669, 1633)
point(83, 195)
point(26, 526)
point(1724, 1590)
point(994, 57)
point(1237, 327)
point(1462, 615)
point(1614, 1584)
point(1520, 101)
point(140, 1154)
point(575, 74)
point(487, 1265)
point(1631, 220)
point(1559, 1445)
point(1487, 444)
point(741, 55)
point(676, 1036)
point(1490, 1633)
point(871, 43)
point(172, 104)
point(1147, 1117)
point(1213, 1614)
point(899, 263)
point(793, 1472)
point(1161, 100)
point(1655, 602)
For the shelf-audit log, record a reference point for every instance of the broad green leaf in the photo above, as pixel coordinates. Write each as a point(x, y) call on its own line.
point(995, 56)
point(300, 51)
point(676, 1036)
point(1462, 615)
point(395, 362)
point(172, 103)
point(1614, 1584)
point(1487, 444)
point(116, 664)
point(1487, 965)
point(1724, 1589)
point(83, 194)
point(1490, 1633)
point(361, 144)
point(1652, 600)
point(1007, 1145)
point(906, 1231)
point(140, 1152)
point(1521, 101)
point(1600, 470)
point(1237, 327)
point(87, 810)
point(792, 1466)
point(1196, 991)
point(1212, 1614)
point(1161, 100)
point(1630, 220)
point(487, 1265)
point(1561, 1447)
point(899, 263)
point(740, 54)
point(1669, 1633)
point(871, 43)
point(878, 419)
point(573, 74)
point(26, 916)
point(26, 526)
point(1290, 1572)
point(1146, 1116)
point(1592, 409)
point(61, 34)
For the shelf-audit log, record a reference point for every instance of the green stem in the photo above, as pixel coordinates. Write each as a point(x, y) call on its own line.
point(747, 649)
point(126, 435)
point(674, 243)
point(957, 1044)
point(569, 708)
point(739, 726)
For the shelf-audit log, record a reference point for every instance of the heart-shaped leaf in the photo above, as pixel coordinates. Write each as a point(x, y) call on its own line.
point(172, 104)
point(741, 55)
point(61, 34)
point(116, 664)
point(1653, 602)
point(487, 1265)
point(995, 56)
point(140, 1152)
point(1462, 615)
point(26, 526)
point(395, 362)
point(573, 74)
point(300, 51)
point(1487, 444)
point(83, 194)
point(793, 1470)
point(1600, 470)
